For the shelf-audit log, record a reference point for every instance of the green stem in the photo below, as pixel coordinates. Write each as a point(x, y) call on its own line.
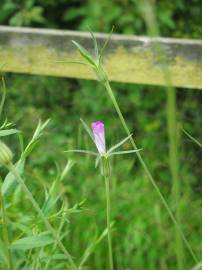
point(107, 187)
point(139, 156)
point(11, 167)
point(5, 233)
point(174, 167)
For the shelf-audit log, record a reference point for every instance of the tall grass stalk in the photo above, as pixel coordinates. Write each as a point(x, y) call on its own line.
point(5, 233)
point(147, 171)
point(174, 168)
point(148, 9)
point(12, 169)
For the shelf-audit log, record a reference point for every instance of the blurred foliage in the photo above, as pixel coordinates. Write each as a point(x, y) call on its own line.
point(176, 18)
point(144, 235)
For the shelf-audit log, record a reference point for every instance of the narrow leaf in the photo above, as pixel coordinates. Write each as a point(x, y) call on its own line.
point(82, 151)
point(30, 242)
point(54, 257)
point(118, 144)
point(105, 44)
point(95, 45)
point(192, 138)
point(66, 169)
point(125, 152)
point(8, 132)
point(84, 53)
point(10, 183)
point(3, 255)
point(87, 129)
point(75, 62)
point(37, 134)
point(92, 247)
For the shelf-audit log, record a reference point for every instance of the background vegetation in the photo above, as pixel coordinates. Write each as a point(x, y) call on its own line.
point(144, 236)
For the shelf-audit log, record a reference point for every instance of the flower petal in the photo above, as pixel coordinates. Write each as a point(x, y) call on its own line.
point(99, 136)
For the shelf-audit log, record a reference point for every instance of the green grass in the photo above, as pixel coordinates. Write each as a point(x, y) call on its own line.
point(143, 235)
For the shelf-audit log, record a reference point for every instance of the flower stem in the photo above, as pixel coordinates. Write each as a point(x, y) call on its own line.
point(107, 187)
point(146, 169)
point(5, 233)
point(12, 169)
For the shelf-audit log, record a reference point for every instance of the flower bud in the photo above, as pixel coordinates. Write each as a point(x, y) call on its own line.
point(5, 154)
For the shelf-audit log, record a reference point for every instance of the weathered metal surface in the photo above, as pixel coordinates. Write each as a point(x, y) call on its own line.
point(130, 59)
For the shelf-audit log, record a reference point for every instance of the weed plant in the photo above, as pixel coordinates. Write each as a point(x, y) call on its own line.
point(70, 192)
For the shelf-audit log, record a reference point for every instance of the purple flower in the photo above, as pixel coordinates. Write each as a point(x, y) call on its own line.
point(99, 136)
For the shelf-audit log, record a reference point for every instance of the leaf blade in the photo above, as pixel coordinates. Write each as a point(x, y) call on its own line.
point(7, 132)
point(30, 242)
point(84, 53)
